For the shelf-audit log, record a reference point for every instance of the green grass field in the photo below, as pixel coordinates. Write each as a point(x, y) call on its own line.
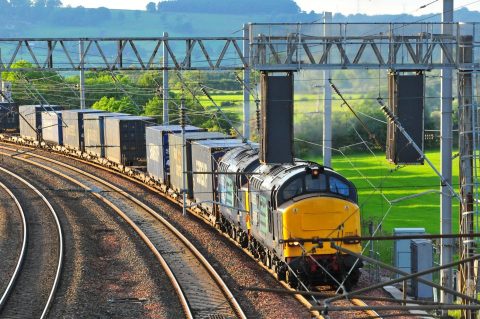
point(388, 193)
point(384, 190)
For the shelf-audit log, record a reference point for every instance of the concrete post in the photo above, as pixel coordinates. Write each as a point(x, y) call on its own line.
point(327, 103)
point(446, 144)
point(165, 81)
point(246, 82)
point(82, 74)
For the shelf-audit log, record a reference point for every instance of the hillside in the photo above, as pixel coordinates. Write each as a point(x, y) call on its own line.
point(103, 22)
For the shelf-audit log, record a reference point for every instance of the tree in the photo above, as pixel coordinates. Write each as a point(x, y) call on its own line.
point(151, 7)
point(40, 3)
point(154, 107)
point(20, 4)
point(124, 105)
point(53, 3)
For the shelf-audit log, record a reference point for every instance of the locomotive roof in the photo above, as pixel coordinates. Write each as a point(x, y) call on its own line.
point(274, 175)
point(240, 159)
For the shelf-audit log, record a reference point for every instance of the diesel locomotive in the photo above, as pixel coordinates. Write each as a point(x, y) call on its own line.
point(277, 212)
point(283, 208)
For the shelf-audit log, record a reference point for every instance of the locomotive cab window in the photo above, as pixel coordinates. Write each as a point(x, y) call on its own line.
point(315, 185)
point(293, 188)
point(339, 187)
point(322, 183)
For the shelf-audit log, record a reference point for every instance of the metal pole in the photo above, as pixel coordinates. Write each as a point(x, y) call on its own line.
point(165, 80)
point(82, 74)
point(246, 84)
point(446, 145)
point(465, 126)
point(327, 103)
point(184, 160)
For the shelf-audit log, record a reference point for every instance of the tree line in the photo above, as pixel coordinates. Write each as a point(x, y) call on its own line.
point(226, 6)
point(140, 93)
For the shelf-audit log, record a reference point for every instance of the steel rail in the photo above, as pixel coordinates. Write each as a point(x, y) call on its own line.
point(299, 295)
point(369, 310)
point(21, 257)
point(142, 235)
point(231, 299)
point(60, 240)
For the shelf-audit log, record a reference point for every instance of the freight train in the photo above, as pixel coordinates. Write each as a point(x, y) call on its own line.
point(275, 211)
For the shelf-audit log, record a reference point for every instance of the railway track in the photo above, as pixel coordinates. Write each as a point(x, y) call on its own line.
point(201, 290)
point(302, 299)
point(33, 284)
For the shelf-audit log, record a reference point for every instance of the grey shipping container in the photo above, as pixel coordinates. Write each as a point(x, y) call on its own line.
point(205, 157)
point(175, 146)
point(73, 132)
point(31, 120)
point(9, 119)
point(52, 126)
point(125, 139)
point(158, 163)
point(94, 132)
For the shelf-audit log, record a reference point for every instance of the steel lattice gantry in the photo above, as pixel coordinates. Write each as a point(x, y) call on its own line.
point(417, 46)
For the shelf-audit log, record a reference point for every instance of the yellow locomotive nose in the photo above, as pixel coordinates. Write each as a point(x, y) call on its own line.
point(320, 217)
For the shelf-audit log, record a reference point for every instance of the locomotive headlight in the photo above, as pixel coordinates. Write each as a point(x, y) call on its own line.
point(314, 171)
point(294, 244)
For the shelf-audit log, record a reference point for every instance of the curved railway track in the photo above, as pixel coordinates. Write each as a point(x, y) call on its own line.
point(353, 302)
point(32, 287)
point(201, 290)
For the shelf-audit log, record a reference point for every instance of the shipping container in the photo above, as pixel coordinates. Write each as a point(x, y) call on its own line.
point(125, 139)
point(158, 163)
point(94, 132)
point(31, 120)
point(175, 146)
point(52, 127)
point(73, 132)
point(9, 119)
point(205, 157)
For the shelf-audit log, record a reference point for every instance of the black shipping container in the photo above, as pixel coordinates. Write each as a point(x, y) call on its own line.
point(9, 119)
point(205, 157)
point(158, 162)
point(73, 132)
point(125, 139)
point(31, 120)
point(176, 147)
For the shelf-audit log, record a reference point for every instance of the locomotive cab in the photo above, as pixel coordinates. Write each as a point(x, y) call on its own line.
point(294, 204)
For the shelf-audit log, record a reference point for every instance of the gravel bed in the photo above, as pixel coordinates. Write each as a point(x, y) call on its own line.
point(35, 280)
point(108, 270)
point(10, 238)
point(234, 266)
